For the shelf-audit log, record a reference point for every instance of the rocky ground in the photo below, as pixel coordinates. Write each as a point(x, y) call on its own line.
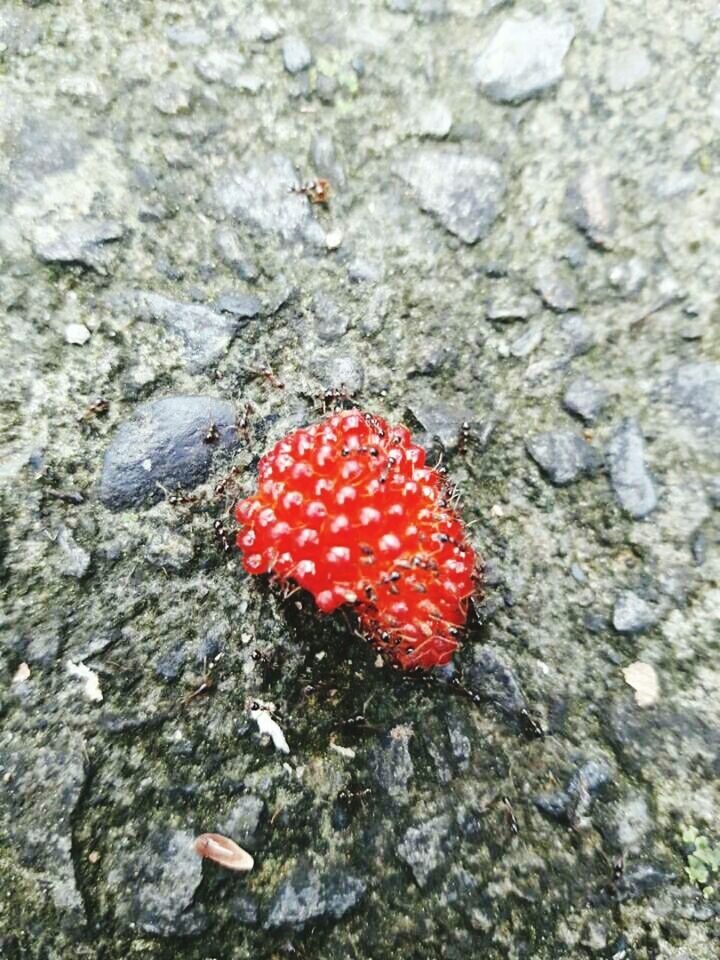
point(522, 233)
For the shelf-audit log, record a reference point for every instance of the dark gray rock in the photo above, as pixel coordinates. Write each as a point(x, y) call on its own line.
point(496, 682)
point(205, 334)
point(585, 399)
point(331, 321)
point(445, 422)
point(154, 883)
point(632, 614)
point(391, 764)
point(260, 197)
point(573, 803)
point(524, 58)
point(308, 896)
point(563, 456)
point(424, 848)
point(296, 54)
point(242, 822)
point(164, 444)
point(695, 389)
point(83, 243)
point(463, 191)
point(41, 790)
point(590, 206)
point(629, 476)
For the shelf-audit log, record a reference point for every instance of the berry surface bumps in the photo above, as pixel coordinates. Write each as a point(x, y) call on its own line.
point(348, 510)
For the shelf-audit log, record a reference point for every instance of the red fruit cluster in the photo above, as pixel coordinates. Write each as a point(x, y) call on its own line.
point(348, 510)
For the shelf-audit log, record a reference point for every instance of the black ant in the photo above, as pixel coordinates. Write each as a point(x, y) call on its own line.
point(352, 795)
point(464, 438)
point(512, 819)
point(222, 535)
point(212, 435)
point(98, 408)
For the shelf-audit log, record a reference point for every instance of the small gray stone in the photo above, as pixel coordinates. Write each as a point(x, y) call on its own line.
point(296, 54)
point(331, 321)
point(391, 763)
point(463, 191)
point(164, 443)
point(577, 333)
point(79, 242)
point(241, 306)
point(75, 560)
point(590, 206)
point(423, 848)
point(154, 883)
point(630, 479)
point(506, 305)
point(524, 58)
point(573, 803)
point(170, 662)
point(632, 614)
point(444, 422)
point(556, 286)
point(221, 66)
point(205, 334)
point(528, 341)
point(585, 399)
point(308, 897)
point(496, 682)
point(562, 455)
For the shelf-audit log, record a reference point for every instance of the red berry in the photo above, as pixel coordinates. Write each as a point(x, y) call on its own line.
point(347, 509)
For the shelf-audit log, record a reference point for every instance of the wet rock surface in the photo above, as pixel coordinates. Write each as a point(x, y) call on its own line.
point(520, 236)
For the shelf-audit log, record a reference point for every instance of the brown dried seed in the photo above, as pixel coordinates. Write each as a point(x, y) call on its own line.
point(223, 851)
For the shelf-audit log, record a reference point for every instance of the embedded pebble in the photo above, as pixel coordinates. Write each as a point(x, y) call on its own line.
point(163, 446)
point(463, 191)
point(524, 58)
point(562, 455)
point(296, 54)
point(585, 399)
point(632, 614)
point(629, 476)
point(77, 334)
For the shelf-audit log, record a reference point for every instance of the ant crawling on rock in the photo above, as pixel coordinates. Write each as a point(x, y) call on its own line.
point(206, 682)
point(353, 795)
point(224, 538)
point(212, 435)
point(317, 191)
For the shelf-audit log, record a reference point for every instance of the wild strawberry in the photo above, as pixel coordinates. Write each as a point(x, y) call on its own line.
point(348, 510)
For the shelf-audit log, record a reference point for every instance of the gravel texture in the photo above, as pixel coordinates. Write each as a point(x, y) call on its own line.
point(518, 260)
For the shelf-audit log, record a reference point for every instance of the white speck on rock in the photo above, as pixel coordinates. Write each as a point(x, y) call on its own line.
point(333, 239)
point(266, 724)
point(21, 674)
point(77, 334)
point(92, 684)
point(644, 681)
